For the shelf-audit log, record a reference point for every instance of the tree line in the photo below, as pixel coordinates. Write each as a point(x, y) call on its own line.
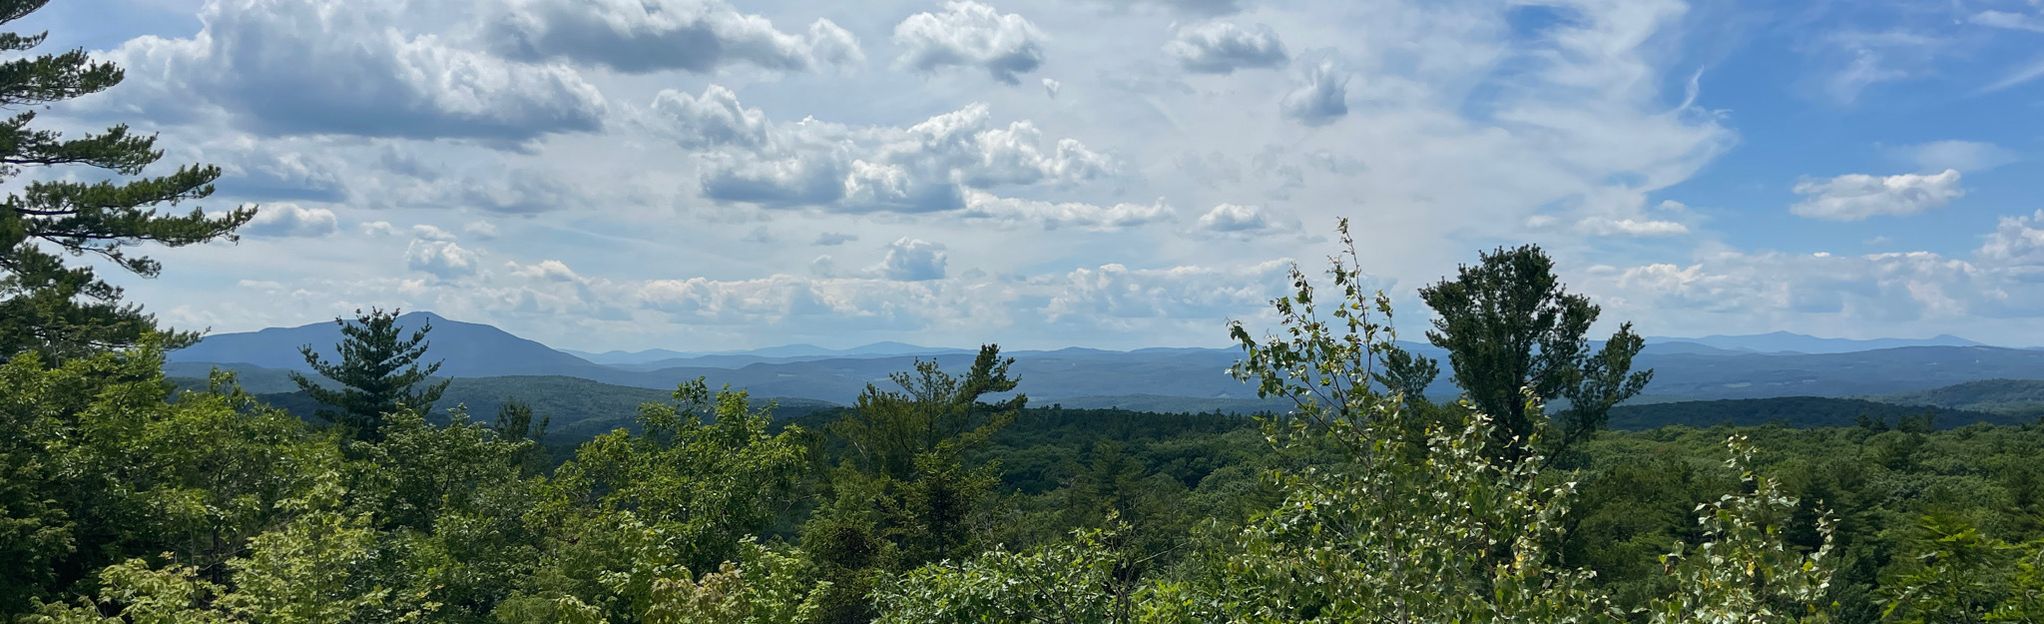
point(939, 496)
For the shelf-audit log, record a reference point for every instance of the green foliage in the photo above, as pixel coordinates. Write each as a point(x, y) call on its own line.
point(1085, 580)
point(378, 374)
point(47, 305)
point(126, 499)
point(1509, 325)
point(1953, 572)
point(633, 513)
point(1804, 412)
point(905, 494)
point(101, 468)
point(1744, 570)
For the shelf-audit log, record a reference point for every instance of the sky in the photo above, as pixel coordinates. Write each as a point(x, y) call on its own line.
point(703, 175)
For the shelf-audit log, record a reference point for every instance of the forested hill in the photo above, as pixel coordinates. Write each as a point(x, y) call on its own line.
point(2009, 396)
point(1797, 412)
point(1165, 379)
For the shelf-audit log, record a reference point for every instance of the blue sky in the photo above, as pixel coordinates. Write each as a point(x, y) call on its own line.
point(697, 174)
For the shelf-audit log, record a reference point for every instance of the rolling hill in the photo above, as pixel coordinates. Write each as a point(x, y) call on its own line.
point(1793, 412)
point(466, 349)
point(2002, 396)
point(1176, 379)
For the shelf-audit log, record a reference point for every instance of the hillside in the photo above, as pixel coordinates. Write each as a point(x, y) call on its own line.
point(1170, 379)
point(2002, 396)
point(1792, 412)
point(466, 349)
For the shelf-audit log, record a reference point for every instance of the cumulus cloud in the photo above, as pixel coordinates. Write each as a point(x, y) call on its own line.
point(1051, 87)
point(275, 67)
point(291, 220)
point(443, 259)
point(714, 118)
point(970, 34)
point(1115, 291)
point(1320, 99)
point(379, 228)
point(912, 260)
point(547, 270)
point(1223, 47)
point(1235, 218)
point(2017, 241)
point(1007, 210)
point(1604, 226)
point(271, 169)
point(431, 233)
point(1857, 196)
point(927, 167)
point(638, 36)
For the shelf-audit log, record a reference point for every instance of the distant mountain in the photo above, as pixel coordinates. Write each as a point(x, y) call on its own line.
point(1177, 379)
point(1674, 347)
point(1786, 342)
point(467, 349)
point(613, 358)
point(1796, 411)
point(655, 359)
point(2002, 396)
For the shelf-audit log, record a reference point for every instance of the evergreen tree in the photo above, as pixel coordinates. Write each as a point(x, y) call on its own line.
point(378, 373)
point(1509, 325)
point(46, 305)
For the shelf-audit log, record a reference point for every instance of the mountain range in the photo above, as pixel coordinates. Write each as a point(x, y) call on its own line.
point(1162, 379)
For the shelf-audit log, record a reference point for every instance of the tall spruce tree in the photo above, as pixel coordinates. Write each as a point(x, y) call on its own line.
point(378, 373)
point(46, 304)
point(1509, 324)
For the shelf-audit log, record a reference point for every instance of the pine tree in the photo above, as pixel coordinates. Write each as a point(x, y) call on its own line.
point(377, 374)
point(46, 305)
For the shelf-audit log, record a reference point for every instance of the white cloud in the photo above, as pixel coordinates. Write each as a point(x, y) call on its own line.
point(1321, 97)
point(912, 260)
point(548, 270)
point(347, 68)
point(431, 233)
point(639, 36)
point(1973, 156)
point(291, 220)
point(1114, 291)
point(926, 167)
point(1235, 218)
point(970, 34)
point(480, 229)
point(1223, 47)
point(2017, 241)
point(1603, 226)
point(1050, 87)
point(1854, 197)
point(832, 239)
point(1051, 216)
point(2008, 19)
point(444, 259)
point(379, 228)
point(714, 118)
